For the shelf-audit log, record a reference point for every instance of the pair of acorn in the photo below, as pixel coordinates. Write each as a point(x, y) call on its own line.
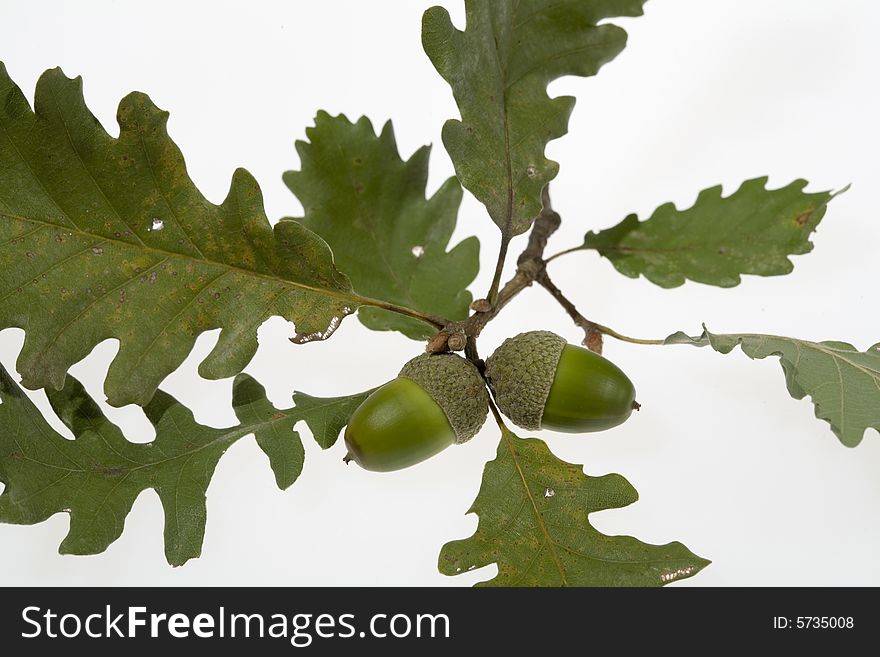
point(538, 380)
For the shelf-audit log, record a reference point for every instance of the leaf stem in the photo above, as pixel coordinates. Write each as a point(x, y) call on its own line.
point(626, 338)
point(499, 269)
point(497, 414)
point(434, 320)
point(565, 252)
point(545, 224)
point(593, 331)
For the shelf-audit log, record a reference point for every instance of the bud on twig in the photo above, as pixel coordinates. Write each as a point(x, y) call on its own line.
point(456, 341)
point(593, 341)
point(438, 344)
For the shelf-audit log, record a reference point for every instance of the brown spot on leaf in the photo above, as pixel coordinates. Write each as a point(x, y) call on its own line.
point(803, 219)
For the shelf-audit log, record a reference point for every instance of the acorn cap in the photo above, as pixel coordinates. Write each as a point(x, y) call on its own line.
point(521, 372)
point(457, 387)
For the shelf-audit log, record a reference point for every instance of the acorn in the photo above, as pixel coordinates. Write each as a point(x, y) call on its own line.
point(435, 401)
point(541, 382)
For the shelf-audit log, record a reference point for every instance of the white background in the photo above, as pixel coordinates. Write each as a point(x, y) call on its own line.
point(706, 93)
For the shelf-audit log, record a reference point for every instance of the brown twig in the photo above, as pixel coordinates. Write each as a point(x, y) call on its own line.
point(529, 266)
point(592, 331)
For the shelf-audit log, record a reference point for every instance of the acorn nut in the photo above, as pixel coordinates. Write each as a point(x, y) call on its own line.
point(435, 401)
point(541, 382)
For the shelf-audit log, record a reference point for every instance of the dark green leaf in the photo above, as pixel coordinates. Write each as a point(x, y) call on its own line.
point(370, 207)
point(96, 477)
point(499, 68)
point(109, 238)
point(534, 523)
point(843, 382)
point(752, 231)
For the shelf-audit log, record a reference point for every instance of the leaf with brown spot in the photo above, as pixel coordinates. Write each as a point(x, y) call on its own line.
point(718, 239)
point(534, 524)
point(122, 245)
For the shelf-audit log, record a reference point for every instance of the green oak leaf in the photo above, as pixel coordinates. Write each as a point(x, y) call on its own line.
point(326, 416)
point(843, 382)
point(370, 207)
point(534, 523)
point(752, 231)
point(104, 237)
point(499, 68)
point(96, 477)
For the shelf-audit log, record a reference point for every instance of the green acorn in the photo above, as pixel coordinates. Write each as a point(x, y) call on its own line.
point(435, 401)
point(541, 382)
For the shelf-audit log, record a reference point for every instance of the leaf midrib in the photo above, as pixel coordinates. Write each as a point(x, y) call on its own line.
point(182, 256)
point(508, 166)
point(234, 433)
point(551, 544)
point(818, 346)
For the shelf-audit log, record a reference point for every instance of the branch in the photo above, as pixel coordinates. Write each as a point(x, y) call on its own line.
point(529, 265)
point(592, 331)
